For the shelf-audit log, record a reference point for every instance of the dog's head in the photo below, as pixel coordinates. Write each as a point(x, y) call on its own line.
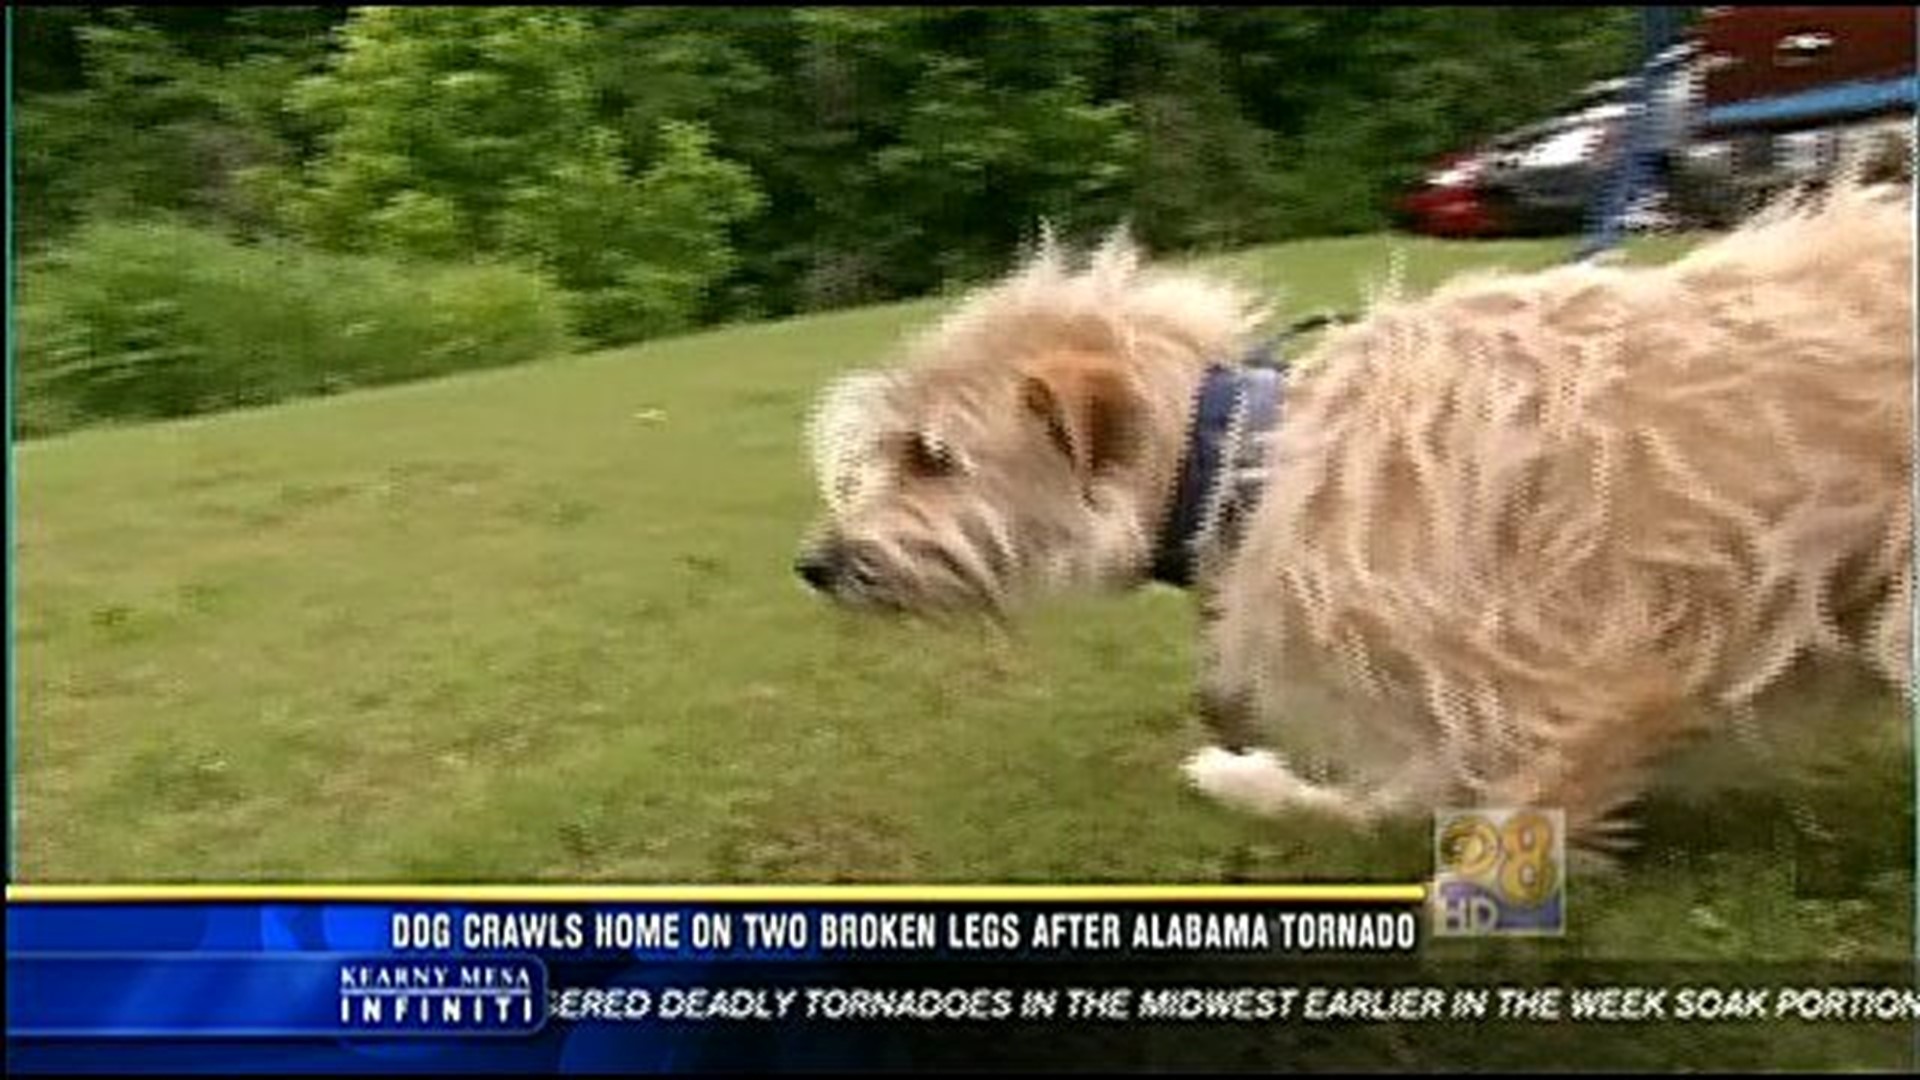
point(1025, 444)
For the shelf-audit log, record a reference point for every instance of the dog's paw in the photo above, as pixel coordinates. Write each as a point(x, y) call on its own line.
point(1208, 770)
point(1257, 781)
point(1260, 782)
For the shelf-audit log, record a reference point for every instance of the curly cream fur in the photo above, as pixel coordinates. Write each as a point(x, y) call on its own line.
point(1547, 514)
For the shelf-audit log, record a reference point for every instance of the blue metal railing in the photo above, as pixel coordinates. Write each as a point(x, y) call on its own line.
point(1659, 26)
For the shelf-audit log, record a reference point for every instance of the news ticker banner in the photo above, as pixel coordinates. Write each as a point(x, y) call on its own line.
point(479, 961)
point(570, 979)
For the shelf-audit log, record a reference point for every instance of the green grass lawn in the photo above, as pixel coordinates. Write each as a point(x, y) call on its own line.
point(538, 624)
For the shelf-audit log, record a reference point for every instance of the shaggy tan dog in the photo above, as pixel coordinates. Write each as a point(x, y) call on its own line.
point(1515, 539)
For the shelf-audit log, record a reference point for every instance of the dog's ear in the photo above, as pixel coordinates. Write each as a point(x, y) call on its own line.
point(1092, 411)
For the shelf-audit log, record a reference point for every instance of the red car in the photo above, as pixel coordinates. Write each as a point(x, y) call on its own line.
point(1448, 201)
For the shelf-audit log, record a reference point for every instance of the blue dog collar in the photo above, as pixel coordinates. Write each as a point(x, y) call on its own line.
point(1223, 470)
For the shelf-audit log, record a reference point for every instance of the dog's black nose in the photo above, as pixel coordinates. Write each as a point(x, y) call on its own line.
point(819, 567)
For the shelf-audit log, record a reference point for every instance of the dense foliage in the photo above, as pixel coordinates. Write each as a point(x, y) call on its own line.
point(668, 167)
point(152, 320)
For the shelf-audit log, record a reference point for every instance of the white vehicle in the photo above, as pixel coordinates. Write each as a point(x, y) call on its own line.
point(1546, 177)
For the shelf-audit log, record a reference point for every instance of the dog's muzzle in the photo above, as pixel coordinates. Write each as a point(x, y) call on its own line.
point(836, 567)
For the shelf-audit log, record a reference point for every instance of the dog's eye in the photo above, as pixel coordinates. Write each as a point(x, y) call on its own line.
point(929, 457)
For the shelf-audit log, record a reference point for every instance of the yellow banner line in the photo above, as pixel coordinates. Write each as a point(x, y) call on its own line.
point(716, 894)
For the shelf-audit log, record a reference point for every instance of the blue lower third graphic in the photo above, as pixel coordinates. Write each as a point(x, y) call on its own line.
point(148, 995)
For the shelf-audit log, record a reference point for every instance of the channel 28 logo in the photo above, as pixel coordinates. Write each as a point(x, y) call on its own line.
point(1500, 872)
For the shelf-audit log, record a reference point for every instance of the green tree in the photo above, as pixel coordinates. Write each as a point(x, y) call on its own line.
point(459, 130)
point(119, 114)
point(431, 117)
point(640, 254)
